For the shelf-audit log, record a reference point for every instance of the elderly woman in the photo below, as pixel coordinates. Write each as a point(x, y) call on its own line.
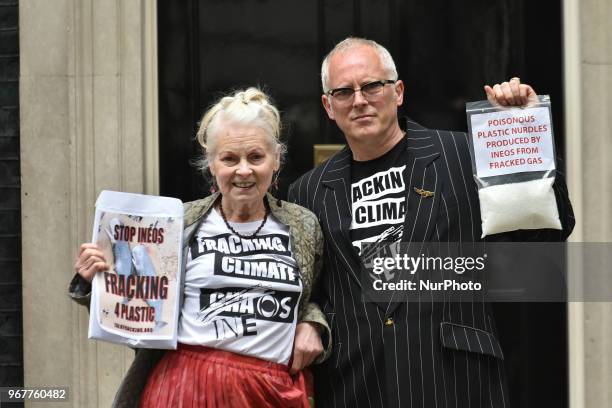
point(236, 228)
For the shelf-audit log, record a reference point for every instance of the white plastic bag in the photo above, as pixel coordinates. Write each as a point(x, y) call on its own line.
point(513, 162)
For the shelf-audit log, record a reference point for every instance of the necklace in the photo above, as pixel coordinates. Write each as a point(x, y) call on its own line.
point(227, 224)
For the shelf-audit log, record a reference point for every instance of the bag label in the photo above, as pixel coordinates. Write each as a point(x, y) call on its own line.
point(512, 141)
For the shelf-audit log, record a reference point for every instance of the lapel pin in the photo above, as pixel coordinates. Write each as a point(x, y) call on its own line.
point(423, 193)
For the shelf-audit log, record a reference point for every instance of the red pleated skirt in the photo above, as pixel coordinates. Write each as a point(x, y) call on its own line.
point(195, 376)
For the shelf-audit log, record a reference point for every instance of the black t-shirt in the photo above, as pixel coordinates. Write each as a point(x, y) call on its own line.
point(378, 195)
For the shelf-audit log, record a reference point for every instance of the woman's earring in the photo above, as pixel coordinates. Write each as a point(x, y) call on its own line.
point(274, 184)
point(213, 186)
point(274, 187)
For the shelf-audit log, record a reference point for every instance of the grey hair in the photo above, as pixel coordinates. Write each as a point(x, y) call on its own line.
point(251, 107)
point(353, 42)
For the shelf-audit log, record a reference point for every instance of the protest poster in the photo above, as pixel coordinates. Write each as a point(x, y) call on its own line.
point(136, 301)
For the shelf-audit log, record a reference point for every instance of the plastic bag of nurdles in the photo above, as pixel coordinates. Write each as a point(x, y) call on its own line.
point(513, 162)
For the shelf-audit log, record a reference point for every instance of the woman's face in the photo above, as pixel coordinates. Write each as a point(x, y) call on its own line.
point(243, 163)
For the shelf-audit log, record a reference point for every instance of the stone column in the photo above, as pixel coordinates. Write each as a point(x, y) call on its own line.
point(88, 122)
point(588, 87)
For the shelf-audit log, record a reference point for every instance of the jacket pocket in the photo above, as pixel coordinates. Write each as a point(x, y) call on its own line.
point(466, 338)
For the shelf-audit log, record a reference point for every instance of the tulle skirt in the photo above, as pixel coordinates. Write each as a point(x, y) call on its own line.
point(195, 376)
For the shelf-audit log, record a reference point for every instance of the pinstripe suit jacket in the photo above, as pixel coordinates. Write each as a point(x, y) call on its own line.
point(433, 354)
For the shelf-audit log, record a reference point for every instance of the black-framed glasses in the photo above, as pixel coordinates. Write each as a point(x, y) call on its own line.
point(370, 91)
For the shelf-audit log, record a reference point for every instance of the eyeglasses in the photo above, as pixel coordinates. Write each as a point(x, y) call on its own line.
point(370, 91)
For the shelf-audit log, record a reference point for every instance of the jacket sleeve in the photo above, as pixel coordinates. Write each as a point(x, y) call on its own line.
point(80, 290)
point(312, 312)
point(566, 212)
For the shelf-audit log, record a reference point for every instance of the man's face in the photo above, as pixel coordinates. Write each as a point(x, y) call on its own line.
point(360, 118)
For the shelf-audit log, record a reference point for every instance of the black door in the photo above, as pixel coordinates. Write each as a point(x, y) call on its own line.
point(445, 51)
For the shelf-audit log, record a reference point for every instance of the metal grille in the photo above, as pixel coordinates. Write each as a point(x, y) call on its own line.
point(11, 341)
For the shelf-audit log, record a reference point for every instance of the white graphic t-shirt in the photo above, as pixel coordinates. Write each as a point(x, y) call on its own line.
point(378, 196)
point(241, 294)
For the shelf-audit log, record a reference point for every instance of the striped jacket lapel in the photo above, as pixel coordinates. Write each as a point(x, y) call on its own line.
point(337, 210)
point(423, 187)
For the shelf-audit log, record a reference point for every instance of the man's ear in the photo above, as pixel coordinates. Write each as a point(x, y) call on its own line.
point(325, 99)
point(399, 92)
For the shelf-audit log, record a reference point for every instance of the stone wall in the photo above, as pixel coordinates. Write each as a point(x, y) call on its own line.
point(588, 80)
point(87, 89)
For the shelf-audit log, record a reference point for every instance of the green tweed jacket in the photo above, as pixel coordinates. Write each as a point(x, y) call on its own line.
point(307, 248)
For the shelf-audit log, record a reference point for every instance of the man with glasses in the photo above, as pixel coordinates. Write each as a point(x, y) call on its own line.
point(397, 180)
